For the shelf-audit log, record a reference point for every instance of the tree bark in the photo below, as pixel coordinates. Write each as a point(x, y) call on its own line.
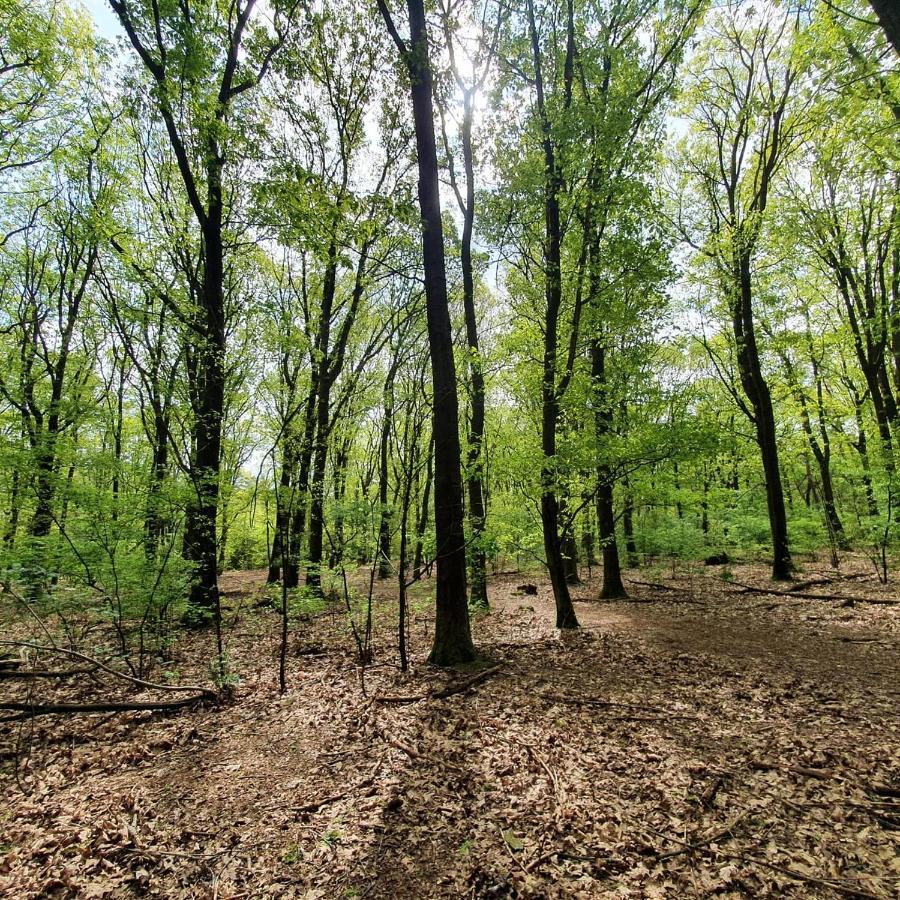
point(565, 611)
point(452, 633)
point(757, 391)
point(613, 587)
point(888, 13)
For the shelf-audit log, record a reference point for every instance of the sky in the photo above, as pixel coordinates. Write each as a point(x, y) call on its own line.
point(104, 18)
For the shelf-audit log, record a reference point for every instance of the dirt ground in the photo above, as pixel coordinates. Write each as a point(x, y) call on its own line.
point(697, 740)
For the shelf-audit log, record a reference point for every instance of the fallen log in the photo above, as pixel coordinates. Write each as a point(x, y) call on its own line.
point(24, 710)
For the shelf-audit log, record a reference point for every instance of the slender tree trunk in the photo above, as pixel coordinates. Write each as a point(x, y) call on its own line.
point(452, 634)
point(475, 460)
point(628, 526)
point(154, 523)
point(340, 492)
point(861, 446)
point(422, 523)
point(384, 507)
point(613, 585)
point(565, 611)
point(12, 523)
point(323, 414)
point(757, 391)
point(201, 538)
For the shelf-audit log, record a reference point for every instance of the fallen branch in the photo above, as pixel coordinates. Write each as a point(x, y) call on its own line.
point(805, 771)
point(841, 888)
point(711, 838)
point(25, 710)
point(655, 584)
point(812, 582)
point(459, 687)
point(316, 805)
point(593, 701)
point(751, 589)
point(207, 693)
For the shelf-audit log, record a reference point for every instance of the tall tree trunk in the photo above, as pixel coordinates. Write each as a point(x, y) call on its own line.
point(323, 415)
point(861, 447)
point(757, 391)
point(889, 16)
point(475, 460)
point(565, 610)
point(384, 506)
point(12, 523)
point(628, 525)
point(452, 633)
point(201, 536)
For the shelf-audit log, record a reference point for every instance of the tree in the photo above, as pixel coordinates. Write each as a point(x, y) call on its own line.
point(452, 635)
point(194, 94)
point(745, 123)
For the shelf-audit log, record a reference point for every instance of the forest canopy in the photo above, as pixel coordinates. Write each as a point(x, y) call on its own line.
point(440, 290)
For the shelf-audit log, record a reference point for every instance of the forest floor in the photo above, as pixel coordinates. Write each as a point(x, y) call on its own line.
point(697, 740)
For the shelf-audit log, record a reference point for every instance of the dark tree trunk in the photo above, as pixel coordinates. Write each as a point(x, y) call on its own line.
point(677, 486)
point(475, 460)
point(117, 441)
point(757, 391)
point(888, 13)
point(628, 526)
point(300, 493)
point(323, 410)
point(570, 555)
point(861, 446)
point(452, 633)
point(613, 586)
point(201, 536)
point(340, 493)
point(384, 506)
point(154, 520)
point(565, 611)
point(820, 445)
point(12, 523)
point(587, 545)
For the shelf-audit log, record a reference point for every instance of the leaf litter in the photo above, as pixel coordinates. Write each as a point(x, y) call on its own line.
point(736, 745)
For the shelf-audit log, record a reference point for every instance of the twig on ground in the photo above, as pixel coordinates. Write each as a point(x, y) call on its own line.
point(459, 687)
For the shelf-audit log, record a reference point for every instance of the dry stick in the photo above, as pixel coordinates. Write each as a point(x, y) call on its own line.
point(655, 585)
point(208, 693)
point(838, 886)
point(32, 710)
point(803, 585)
point(459, 687)
point(28, 674)
point(705, 841)
point(750, 589)
point(316, 805)
point(467, 684)
point(806, 771)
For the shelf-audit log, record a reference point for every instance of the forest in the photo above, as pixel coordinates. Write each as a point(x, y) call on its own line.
point(448, 448)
